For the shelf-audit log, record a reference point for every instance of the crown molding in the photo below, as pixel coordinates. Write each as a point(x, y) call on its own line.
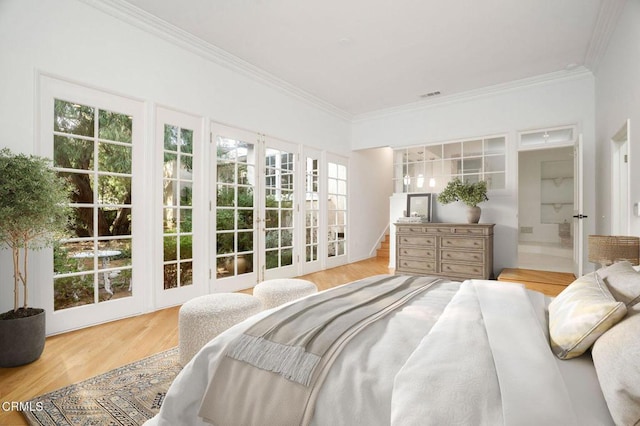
point(558, 76)
point(145, 21)
point(608, 16)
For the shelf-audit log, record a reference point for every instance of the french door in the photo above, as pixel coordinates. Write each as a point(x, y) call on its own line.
point(336, 211)
point(179, 203)
point(254, 208)
point(314, 187)
point(96, 141)
point(279, 209)
point(234, 208)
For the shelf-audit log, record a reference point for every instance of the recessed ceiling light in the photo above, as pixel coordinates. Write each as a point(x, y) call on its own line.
point(430, 94)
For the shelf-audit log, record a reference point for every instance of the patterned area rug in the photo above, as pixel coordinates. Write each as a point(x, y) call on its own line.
point(128, 395)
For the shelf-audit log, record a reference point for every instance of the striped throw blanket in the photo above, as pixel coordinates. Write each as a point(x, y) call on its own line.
point(272, 373)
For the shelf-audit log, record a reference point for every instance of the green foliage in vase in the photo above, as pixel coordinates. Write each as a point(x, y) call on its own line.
point(469, 193)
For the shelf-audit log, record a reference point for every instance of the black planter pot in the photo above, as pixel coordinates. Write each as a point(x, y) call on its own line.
point(21, 340)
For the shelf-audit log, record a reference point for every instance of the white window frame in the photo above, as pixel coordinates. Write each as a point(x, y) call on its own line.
point(403, 181)
point(175, 296)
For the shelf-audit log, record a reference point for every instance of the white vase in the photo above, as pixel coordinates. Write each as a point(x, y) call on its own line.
point(473, 214)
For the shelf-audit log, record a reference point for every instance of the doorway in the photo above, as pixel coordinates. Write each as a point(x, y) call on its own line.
point(545, 209)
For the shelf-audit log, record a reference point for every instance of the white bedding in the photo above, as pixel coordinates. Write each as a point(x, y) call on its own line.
point(387, 374)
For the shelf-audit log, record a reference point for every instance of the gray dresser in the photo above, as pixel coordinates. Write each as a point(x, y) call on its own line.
point(456, 250)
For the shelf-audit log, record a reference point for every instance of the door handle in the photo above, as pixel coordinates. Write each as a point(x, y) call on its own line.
point(580, 216)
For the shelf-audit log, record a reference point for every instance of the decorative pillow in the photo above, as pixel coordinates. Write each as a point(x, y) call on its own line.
point(623, 282)
point(580, 314)
point(615, 356)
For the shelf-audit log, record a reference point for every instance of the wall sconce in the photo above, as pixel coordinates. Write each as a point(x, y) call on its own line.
point(420, 181)
point(407, 180)
point(608, 249)
point(432, 182)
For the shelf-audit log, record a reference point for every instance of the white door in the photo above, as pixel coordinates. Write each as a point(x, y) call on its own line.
point(179, 187)
point(254, 210)
point(236, 164)
point(578, 208)
point(312, 214)
point(337, 236)
point(279, 210)
point(99, 271)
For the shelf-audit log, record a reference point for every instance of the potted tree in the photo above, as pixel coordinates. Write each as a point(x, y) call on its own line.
point(469, 193)
point(33, 214)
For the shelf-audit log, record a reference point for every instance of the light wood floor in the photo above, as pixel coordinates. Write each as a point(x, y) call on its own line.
point(78, 355)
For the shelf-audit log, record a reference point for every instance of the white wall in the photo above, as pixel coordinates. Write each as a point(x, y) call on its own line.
point(618, 99)
point(77, 42)
point(566, 99)
point(370, 185)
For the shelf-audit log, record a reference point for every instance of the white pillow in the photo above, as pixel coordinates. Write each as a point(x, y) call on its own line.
point(615, 356)
point(623, 282)
point(580, 314)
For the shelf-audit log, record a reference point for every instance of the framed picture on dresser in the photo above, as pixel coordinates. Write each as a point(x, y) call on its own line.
point(419, 205)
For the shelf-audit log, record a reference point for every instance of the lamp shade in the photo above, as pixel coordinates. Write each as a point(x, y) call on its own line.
point(607, 249)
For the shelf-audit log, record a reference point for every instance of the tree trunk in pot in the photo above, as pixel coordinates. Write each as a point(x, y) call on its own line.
point(21, 340)
point(473, 214)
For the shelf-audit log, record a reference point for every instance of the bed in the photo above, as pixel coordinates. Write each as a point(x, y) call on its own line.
point(441, 352)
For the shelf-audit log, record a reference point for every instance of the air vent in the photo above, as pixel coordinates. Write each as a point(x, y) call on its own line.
point(430, 94)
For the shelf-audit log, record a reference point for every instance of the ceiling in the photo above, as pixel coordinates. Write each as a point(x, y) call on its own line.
point(366, 55)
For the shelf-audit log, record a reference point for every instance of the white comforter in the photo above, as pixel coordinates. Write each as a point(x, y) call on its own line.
point(475, 353)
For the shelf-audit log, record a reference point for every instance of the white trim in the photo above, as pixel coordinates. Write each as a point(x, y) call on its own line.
point(578, 73)
point(145, 21)
point(608, 16)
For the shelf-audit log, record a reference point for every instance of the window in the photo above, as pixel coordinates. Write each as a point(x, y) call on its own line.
point(553, 136)
point(177, 202)
point(93, 150)
point(428, 168)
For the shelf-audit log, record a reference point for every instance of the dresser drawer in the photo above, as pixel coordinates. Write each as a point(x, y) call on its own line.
point(422, 253)
point(472, 271)
point(470, 231)
point(472, 243)
point(464, 256)
point(413, 229)
point(416, 240)
point(418, 266)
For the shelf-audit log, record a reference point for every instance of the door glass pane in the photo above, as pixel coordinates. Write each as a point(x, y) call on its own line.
point(178, 192)
point(279, 217)
point(311, 207)
point(235, 212)
point(94, 263)
point(337, 209)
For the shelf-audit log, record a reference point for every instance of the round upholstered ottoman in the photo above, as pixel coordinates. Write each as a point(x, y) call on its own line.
point(202, 318)
point(275, 292)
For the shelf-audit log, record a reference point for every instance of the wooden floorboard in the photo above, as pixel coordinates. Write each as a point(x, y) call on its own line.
point(78, 355)
point(547, 282)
